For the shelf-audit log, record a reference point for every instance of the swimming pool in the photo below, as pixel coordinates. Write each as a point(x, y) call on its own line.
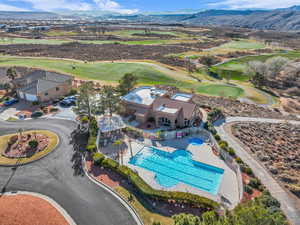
point(179, 167)
point(196, 141)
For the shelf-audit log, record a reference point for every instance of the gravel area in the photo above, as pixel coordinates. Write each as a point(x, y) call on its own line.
point(28, 210)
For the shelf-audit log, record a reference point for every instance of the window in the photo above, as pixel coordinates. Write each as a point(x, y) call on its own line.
point(46, 94)
point(57, 88)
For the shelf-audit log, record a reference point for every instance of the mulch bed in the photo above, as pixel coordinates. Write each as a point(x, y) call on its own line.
point(28, 210)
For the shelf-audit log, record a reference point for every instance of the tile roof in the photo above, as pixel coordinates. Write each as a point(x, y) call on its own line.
point(186, 107)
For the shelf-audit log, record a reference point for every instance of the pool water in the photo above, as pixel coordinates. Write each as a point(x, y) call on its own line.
point(179, 167)
point(196, 141)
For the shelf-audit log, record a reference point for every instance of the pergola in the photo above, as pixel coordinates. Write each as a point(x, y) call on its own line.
point(109, 124)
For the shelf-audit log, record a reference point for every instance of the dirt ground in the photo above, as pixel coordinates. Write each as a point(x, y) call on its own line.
point(94, 52)
point(28, 210)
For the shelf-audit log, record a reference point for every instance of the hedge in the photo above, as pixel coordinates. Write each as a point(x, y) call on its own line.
point(98, 158)
point(148, 191)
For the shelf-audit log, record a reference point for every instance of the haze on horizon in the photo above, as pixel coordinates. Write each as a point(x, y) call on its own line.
point(134, 6)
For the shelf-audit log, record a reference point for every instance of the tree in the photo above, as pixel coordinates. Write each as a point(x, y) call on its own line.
point(189, 65)
point(85, 101)
point(11, 73)
point(119, 143)
point(186, 219)
point(108, 101)
point(258, 72)
point(275, 65)
point(208, 60)
point(127, 82)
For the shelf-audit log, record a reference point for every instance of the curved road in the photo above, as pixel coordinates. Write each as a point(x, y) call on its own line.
point(53, 176)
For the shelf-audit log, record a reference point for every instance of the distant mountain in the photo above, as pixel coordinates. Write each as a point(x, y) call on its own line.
point(285, 19)
point(280, 19)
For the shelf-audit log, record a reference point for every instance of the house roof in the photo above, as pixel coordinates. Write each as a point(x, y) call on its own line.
point(144, 95)
point(38, 86)
point(171, 106)
point(40, 81)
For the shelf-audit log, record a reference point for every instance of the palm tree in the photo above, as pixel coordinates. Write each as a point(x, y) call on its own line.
point(119, 143)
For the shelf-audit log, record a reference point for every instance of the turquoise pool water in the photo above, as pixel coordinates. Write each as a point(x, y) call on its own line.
point(176, 167)
point(196, 141)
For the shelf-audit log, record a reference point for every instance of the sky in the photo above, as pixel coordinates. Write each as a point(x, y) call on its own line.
point(134, 6)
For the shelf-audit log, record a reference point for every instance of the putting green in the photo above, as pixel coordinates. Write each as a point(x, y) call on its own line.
point(221, 90)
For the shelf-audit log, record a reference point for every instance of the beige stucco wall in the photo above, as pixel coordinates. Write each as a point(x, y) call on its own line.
point(53, 94)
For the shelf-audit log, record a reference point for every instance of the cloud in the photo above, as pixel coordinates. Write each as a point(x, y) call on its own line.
point(5, 7)
point(255, 4)
point(113, 6)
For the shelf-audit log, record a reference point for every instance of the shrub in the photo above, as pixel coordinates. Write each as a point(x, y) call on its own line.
point(239, 160)
point(33, 143)
point(248, 189)
point(223, 146)
point(73, 92)
point(223, 143)
point(84, 119)
point(36, 114)
point(217, 137)
point(91, 148)
point(231, 152)
point(109, 163)
point(53, 110)
point(247, 170)
point(255, 183)
point(98, 158)
point(35, 103)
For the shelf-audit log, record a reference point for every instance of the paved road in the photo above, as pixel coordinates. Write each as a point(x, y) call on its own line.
point(53, 176)
point(289, 204)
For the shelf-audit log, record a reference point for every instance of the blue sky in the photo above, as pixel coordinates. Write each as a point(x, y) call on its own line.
point(132, 6)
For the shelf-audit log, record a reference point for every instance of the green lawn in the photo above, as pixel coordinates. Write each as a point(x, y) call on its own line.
point(130, 33)
point(110, 72)
point(238, 66)
point(221, 90)
point(243, 45)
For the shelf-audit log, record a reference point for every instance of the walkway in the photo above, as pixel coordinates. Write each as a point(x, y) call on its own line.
point(289, 204)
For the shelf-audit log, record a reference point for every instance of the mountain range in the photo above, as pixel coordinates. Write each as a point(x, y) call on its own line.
point(287, 19)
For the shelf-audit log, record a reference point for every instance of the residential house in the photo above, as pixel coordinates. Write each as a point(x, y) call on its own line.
point(153, 105)
point(43, 86)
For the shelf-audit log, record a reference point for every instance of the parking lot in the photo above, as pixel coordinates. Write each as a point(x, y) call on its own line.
point(23, 110)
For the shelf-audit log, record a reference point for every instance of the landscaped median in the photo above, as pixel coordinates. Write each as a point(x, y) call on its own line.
point(51, 138)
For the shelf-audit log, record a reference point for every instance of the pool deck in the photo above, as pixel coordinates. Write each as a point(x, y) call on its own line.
point(228, 189)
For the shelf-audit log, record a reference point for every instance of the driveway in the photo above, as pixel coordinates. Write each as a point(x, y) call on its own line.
point(64, 113)
point(53, 176)
point(289, 203)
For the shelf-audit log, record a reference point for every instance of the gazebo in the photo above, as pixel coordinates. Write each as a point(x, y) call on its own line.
point(109, 129)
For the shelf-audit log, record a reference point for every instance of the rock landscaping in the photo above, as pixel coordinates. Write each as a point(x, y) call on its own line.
point(26, 145)
point(231, 107)
point(277, 146)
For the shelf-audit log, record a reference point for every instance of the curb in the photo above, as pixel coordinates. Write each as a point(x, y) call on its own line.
point(53, 203)
point(132, 211)
point(43, 156)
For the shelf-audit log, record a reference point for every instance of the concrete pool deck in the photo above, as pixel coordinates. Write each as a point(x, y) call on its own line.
point(228, 189)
